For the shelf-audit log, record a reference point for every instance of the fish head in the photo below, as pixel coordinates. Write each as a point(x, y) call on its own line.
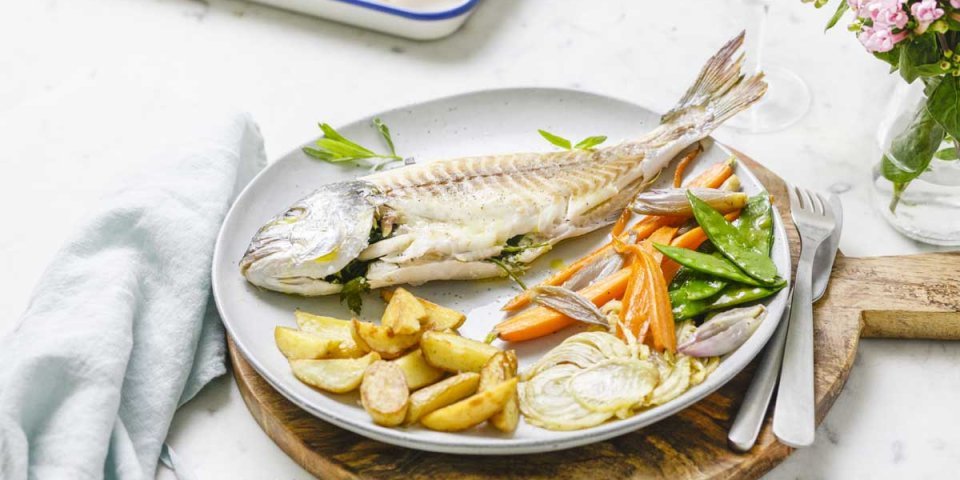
point(315, 238)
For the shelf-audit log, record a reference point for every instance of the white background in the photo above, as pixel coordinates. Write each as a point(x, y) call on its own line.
point(84, 82)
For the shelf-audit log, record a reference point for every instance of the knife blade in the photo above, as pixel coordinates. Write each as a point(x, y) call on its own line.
point(746, 426)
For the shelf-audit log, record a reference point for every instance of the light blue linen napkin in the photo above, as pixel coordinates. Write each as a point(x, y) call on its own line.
point(122, 328)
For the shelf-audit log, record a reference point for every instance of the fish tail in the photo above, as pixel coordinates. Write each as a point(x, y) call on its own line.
point(720, 91)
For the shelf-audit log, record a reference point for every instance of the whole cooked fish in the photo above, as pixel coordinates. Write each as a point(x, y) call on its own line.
point(471, 218)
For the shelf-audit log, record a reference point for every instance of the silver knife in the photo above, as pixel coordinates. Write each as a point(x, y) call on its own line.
point(746, 426)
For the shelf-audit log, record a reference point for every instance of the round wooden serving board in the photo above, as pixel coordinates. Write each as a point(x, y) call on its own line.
point(897, 297)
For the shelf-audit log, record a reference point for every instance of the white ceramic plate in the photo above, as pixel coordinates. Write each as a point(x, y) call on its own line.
point(496, 121)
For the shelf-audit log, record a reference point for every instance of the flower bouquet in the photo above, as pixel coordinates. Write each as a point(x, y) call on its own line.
point(919, 39)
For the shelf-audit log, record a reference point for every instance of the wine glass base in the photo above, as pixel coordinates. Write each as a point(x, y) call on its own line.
point(787, 100)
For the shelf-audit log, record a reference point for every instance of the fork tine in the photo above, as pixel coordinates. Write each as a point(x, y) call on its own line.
point(827, 207)
point(805, 198)
point(817, 203)
point(794, 201)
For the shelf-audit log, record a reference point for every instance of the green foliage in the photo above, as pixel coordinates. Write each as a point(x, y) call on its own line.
point(590, 142)
point(566, 144)
point(556, 139)
point(351, 293)
point(919, 57)
point(912, 149)
point(842, 7)
point(385, 133)
point(947, 154)
point(944, 105)
point(892, 57)
point(335, 148)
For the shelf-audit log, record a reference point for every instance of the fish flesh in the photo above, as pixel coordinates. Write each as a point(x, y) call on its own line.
point(474, 217)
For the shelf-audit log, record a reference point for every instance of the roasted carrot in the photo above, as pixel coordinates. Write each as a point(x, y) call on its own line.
point(523, 299)
point(662, 330)
point(633, 311)
point(622, 222)
point(663, 235)
point(634, 308)
point(712, 177)
point(645, 306)
point(690, 240)
point(539, 321)
point(684, 163)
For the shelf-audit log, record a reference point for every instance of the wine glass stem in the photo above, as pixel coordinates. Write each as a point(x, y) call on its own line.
point(758, 11)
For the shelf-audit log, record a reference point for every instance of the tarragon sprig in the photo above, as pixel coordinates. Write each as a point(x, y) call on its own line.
point(585, 144)
point(335, 148)
point(512, 271)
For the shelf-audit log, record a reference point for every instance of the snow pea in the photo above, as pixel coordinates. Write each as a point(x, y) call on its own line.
point(739, 294)
point(718, 266)
point(756, 223)
point(730, 296)
point(691, 285)
point(733, 246)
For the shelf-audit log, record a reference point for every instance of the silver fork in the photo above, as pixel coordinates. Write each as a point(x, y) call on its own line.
point(746, 425)
point(793, 416)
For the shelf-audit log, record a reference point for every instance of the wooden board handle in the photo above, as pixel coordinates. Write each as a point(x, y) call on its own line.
point(913, 296)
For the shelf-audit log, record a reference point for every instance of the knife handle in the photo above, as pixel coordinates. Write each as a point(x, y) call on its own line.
point(746, 426)
point(794, 420)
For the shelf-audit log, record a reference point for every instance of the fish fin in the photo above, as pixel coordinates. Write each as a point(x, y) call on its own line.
point(720, 90)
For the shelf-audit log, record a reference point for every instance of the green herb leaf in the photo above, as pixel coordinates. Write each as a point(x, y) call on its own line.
point(520, 248)
point(340, 149)
point(511, 271)
point(335, 148)
point(590, 142)
point(919, 57)
point(555, 139)
point(351, 293)
point(841, 9)
point(318, 154)
point(585, 144)
point(331, 134)
point(385, 133)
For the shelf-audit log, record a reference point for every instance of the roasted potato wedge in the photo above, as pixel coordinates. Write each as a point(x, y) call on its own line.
point(332, 328)
point(455, 353)
point(384, 393)
point(299, 345)
point(438, 317)
point(417, 371)
point(501, 367)
point(339, 375)
point(404, 313)
point(472, 410)
point(382, 340)
point(441, 394)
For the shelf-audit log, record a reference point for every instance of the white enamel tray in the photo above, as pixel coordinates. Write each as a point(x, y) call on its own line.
point(416, 19)
point(496, 121)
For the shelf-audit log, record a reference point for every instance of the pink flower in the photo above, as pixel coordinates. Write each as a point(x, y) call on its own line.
point(879, 39)
point(886, 13)
point(856, 6)
point(955, 3)
point(926, 12)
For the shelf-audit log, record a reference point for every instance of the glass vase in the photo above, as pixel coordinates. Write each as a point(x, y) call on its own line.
point(918, 194)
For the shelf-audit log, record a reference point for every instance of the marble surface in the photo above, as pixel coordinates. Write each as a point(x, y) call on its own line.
point(83, 84)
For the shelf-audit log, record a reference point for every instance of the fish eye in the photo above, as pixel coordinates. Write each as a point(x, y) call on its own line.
point(292, 215)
